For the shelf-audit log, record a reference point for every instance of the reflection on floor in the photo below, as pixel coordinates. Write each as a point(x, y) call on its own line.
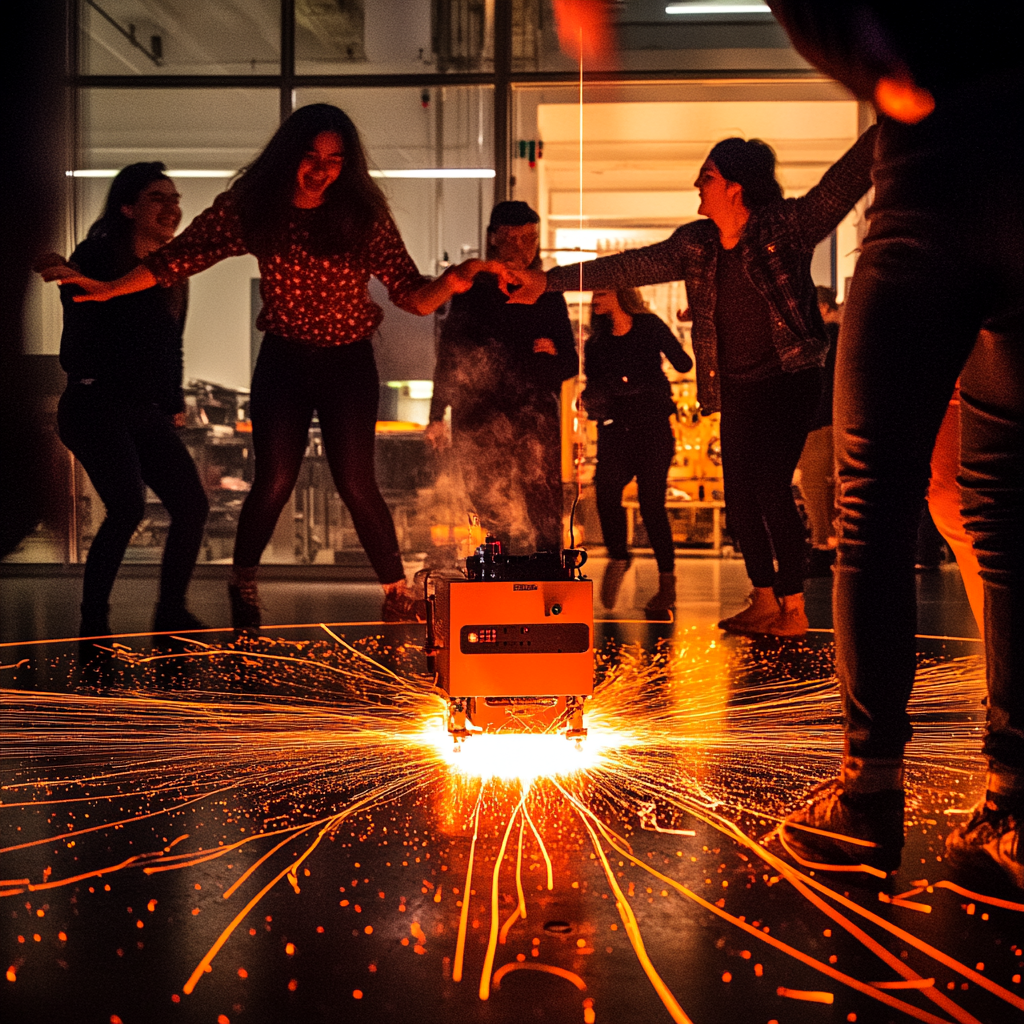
point(209, 829)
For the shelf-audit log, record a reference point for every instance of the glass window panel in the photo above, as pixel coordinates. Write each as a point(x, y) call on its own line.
point(180, 37)
point(351, 37)
point(741, 36)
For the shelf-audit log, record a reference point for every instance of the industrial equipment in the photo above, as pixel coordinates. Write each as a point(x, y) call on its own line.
point(511, 642)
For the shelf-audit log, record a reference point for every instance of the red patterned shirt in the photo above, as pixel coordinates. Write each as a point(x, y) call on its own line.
point(321, 300)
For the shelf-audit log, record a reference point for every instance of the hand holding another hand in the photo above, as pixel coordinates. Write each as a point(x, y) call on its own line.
point(528, 285)
point(437, 435)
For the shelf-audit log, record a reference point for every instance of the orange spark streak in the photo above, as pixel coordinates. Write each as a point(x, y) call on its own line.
point(978, 897)
point(546, 968)
point(805, 996)
point(359, 654)
point(784, 947)
point(543, 850)
point(226, 934)
point(113, 824)
point(284, 842)
point(492, 941)
point(460, 945)
point(801, 882)
point(909, 983)
point(633, 931)
point(520, 911)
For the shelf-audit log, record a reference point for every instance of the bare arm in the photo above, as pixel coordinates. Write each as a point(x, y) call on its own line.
point(137, 280)
point(431, 295)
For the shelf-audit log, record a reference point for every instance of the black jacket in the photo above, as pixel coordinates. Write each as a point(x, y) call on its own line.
point(131, 346)
point(624, 375)
point(486, 364)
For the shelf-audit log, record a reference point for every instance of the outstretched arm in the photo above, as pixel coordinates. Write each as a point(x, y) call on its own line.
point(431, 295)
point(137, 280)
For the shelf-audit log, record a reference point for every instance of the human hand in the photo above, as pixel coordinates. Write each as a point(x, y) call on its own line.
point(530, 286)
point(683, 315)
point(545, 345)
point(437, 435)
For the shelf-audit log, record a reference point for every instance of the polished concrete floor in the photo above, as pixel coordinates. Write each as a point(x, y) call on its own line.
point(206, 828)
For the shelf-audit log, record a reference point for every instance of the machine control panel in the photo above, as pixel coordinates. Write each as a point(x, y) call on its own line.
point(532, 638)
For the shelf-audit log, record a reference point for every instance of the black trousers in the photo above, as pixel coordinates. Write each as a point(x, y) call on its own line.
point(943, 260)
point(123, 447)
point(764, 426)
point(641, 449)
point(509, 452)
point(340, 383)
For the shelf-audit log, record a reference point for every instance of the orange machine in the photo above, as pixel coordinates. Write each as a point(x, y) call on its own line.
point(511, 642)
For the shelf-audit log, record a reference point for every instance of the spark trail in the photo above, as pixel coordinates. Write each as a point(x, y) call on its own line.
point(264, 751)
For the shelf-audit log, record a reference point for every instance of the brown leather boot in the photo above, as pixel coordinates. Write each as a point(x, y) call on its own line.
point(660, 606)
point(763, 609)
point(791, 619)
point(614, 574)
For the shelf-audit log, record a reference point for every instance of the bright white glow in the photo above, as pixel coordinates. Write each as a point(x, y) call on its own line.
point(420, 172)
point(437, 172)
point(525, 756)
point(170, 174)
point(717, 9)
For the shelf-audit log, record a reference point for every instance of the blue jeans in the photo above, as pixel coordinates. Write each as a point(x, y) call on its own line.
point(938, 294)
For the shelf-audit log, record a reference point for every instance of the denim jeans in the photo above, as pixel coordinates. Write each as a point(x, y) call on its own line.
point(938, 293)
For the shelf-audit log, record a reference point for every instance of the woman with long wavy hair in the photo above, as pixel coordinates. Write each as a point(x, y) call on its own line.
point(319, 226)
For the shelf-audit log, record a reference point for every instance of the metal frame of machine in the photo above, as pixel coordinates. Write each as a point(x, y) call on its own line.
point(511, 642)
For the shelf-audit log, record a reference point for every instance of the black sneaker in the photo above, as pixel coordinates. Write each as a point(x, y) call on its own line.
point(844, 830)
point(989, 843)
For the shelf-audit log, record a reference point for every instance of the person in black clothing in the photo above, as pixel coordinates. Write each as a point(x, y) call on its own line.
point(817, 461)
point(124, 399)
point(938, 293)
point(629, 397)
point(500, 368)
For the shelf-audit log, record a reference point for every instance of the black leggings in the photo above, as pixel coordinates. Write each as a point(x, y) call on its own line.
point(641, 449)
point(123, 447)
point(764, 427)
point(340, 383)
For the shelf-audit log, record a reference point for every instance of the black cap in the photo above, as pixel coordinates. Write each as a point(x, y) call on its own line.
point(513, 213)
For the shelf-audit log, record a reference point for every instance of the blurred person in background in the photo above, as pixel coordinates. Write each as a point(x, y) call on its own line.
point(817, 463)
point(500, 369)
point(630, 399)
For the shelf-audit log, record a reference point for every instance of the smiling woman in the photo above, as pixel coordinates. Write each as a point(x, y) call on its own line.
point(319, 225)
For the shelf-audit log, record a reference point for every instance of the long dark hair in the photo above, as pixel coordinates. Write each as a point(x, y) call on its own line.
point(125, 190)
point(750, 163)
point(352, 205)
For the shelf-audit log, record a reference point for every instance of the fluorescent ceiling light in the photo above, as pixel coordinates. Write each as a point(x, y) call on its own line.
point(422, 172)
point(717, 9)
point(170, 174)
point(437, 172)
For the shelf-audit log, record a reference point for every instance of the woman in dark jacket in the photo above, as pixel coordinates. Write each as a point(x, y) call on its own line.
point(124, 400)
point(758, 339)
point(500, 368)
point(629, 396)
